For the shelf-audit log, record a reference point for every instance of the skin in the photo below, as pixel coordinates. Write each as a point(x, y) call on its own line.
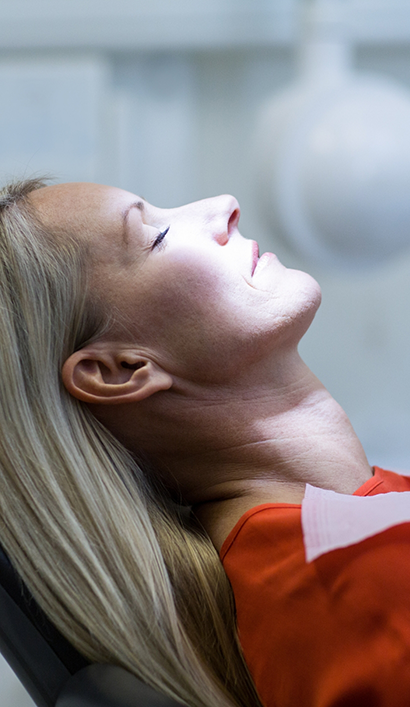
point(200, 371)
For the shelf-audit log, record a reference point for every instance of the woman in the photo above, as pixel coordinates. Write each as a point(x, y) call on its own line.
point(177, 347)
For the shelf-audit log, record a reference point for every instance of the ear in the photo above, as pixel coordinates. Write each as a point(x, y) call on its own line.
point(105, 374)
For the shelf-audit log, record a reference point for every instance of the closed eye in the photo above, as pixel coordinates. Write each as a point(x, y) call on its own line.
point(160, 237)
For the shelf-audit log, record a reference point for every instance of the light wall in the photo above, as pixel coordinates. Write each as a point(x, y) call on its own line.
point(161, 98)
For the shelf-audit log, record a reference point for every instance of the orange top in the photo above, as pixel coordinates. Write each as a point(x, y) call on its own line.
point(331, 633)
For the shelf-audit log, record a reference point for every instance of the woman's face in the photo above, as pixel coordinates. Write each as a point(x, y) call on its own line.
point(187, 286)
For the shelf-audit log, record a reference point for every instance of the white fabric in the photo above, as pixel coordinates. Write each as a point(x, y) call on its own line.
point(333, 520)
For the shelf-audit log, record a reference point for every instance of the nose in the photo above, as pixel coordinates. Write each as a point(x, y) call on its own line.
point(225, 217)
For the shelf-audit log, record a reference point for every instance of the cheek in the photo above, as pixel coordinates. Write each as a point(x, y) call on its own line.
point(193, 315)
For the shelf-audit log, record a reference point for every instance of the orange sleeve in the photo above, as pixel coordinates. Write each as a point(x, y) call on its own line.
point(332, 633)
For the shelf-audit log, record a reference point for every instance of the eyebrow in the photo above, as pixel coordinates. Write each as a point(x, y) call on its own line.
point(125, 213)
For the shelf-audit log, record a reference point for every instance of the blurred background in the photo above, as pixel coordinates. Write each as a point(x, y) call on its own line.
point(164, 98)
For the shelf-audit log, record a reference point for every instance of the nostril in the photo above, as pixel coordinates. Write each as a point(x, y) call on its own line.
point(233, 220)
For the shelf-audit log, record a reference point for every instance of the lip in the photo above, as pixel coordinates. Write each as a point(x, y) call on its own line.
point(255, 255)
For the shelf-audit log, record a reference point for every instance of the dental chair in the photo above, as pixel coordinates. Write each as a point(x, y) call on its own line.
point(52, 671)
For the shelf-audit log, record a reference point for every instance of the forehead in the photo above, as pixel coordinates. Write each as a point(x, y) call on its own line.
point(88, 210)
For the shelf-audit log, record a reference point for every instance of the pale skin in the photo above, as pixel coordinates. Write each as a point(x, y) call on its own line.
point(201, 371)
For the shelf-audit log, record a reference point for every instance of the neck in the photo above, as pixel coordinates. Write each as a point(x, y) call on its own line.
point(313, 443)
point(259, 444)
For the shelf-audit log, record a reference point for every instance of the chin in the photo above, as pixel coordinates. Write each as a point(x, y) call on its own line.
point(308, 299)
point(316, 292)
point(307, 288)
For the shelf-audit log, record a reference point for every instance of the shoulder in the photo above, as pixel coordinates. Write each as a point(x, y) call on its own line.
point(349, 607)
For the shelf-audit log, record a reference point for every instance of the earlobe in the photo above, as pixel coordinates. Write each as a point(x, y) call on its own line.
point(103, 377)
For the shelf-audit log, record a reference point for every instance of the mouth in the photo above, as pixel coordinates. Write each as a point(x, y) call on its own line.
point(255, 255)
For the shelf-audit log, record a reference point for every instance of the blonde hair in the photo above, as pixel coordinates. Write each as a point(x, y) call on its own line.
point(123, 575)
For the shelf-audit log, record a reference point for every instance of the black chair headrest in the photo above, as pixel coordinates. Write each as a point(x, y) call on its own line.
point(41, 657)
point(51, 670)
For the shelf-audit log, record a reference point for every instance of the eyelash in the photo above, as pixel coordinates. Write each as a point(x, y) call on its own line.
point(160, 237)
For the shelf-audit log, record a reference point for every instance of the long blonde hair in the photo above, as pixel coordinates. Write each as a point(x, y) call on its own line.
point(123, 575)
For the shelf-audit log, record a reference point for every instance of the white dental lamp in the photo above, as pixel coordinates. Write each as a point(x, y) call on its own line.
point(334, 152)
